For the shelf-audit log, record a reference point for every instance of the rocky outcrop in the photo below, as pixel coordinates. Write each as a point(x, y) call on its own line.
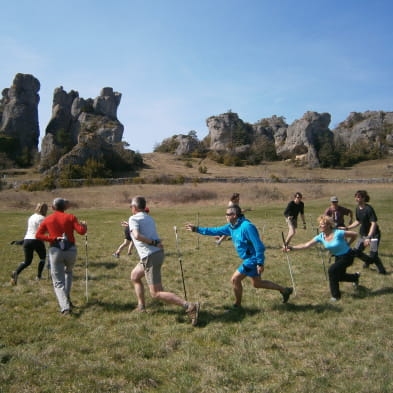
point(304, 135)
point(91, 146)
point(371, 128)
point(273, 128)
point(72, 114)
point(19, 116)
point(223, 130)
point(186, 145)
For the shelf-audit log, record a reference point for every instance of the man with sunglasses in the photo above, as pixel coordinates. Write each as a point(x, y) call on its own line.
point(250, 249)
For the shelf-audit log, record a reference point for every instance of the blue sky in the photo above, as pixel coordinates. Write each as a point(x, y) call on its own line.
point(177, 62)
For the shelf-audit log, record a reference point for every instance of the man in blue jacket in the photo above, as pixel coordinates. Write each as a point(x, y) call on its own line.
point(250, 249)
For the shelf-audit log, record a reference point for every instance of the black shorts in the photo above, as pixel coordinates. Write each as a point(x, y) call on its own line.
point(127, 234)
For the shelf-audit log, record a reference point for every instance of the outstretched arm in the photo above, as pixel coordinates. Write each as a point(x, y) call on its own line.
point(302, 246)
point(190, 227)
point(214, 231)
point(351, 236)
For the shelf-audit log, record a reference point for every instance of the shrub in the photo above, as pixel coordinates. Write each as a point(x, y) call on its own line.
point(168, 145)
point(47, 183)
point(202, 169)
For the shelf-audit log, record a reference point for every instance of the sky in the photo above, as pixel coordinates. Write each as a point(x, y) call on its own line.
point(178, 62)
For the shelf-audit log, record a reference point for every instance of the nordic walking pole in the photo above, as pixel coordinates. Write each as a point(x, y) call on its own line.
point(289, 264)
point(322, 258)
point(86, 272)
point(197, 246)
point(180, 262)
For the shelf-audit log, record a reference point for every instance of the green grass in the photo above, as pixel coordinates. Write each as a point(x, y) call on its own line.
point(307, 345)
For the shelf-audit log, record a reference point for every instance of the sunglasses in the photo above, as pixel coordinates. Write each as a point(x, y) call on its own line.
point(229, 214)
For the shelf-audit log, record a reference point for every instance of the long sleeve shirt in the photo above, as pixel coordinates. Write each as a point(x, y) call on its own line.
point(245, 238)
point(58, 223)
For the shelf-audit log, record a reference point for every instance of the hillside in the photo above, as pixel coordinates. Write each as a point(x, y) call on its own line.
point(160, 165)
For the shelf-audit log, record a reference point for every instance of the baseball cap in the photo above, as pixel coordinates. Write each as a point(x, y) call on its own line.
point(333, 199)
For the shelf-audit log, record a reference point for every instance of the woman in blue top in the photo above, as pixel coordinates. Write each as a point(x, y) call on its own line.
point(334, 240)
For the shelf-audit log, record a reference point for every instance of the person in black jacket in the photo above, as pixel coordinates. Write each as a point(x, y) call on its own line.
point(291, 213)
point(370, 234)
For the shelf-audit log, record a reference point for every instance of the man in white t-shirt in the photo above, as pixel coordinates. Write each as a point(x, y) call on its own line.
point(151, 253)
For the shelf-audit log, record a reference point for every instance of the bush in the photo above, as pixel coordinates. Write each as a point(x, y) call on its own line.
point(47, 183)
point(168, 145)
point(202, 169)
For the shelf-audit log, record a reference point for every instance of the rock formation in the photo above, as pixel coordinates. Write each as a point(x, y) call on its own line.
point(303, 137)
point(19, 117)
point(73, 116)
point(223, 131)
point(187, 145)
point(372, 128)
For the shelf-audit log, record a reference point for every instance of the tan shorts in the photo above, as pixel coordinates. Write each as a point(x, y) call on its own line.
point(152, 267)
point(292, 222)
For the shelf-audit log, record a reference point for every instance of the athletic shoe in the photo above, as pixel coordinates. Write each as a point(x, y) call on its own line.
point(14, 278)
point(334, 299)
point(218, 242)
point(66, 313)
point(193, 312)
point(116, 255)
point(285, 295)
point(366, 265)
point(356, 282)
point(17, 242)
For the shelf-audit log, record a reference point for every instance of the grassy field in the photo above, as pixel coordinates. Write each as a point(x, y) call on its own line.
point(307, 345)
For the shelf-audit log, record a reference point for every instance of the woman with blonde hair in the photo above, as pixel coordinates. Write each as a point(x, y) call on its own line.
point(31, 244)
point(334, 240)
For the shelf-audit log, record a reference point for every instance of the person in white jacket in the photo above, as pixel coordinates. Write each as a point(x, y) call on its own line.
point(31, 244)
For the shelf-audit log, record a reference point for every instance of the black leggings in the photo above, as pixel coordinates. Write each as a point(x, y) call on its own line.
point(338, 272)
point(29, 246)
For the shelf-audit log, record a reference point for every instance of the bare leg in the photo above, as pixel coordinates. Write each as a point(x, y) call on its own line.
point(237, 286)
point(157, 292)
point(122, 245)
point(257, 282)
point(136, 277)
point(291, 233)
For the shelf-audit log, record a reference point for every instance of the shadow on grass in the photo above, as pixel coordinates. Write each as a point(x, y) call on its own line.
point(78, 310)
point(106, 265)
point(205, 317)
point(317, 308)
point(364, 292)
point(226, 315)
